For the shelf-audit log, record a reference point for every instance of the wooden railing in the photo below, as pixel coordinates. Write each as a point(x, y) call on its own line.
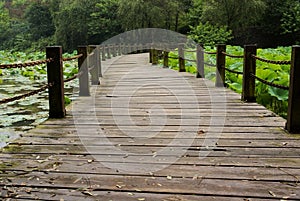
point(90, 57)
point(89, 63)
point(249, 74)
point(90, 70)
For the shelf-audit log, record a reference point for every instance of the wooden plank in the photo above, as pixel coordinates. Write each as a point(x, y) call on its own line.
point(185, 161)
point(163, 185)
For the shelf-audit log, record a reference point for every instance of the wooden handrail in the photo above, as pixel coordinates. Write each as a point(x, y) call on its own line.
point(249, 75)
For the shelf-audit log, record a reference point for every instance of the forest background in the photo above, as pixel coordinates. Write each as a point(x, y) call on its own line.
point(30, 25)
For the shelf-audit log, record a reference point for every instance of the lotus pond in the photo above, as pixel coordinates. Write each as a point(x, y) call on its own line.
point(20, 116)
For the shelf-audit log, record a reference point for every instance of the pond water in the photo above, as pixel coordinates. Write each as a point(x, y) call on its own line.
point(20, 116)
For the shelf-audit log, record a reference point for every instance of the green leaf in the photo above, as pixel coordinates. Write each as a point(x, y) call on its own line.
point(236, 87)
point(280, 94)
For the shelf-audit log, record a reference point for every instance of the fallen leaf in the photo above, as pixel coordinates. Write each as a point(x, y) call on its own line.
point(272, 193)
point(77, 180)
point(88, 193)
point(200, 132)
point(28, 190)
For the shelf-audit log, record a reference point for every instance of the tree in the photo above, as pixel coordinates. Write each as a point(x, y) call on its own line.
point(195, 13)
point(40, 21)
point(4, 24)
point(71, 22)
point(136, 14)
point(104, 23)
point(271, 19)
point(235, 14)
point(208, 34)
point(290, 21)
point(167, 14)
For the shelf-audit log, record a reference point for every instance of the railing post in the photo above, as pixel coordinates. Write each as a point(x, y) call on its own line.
point(131, 51)
point(124, 49)
point(56, 80)
point(155, 57)
point(248, 93)
point(181, 58)
point(103, 51)
point(84, 87)
point(119, 49)
point(200, 62)
point(151, 52)
point(93, 62)
point(114, 51)
point(151, 55)
point(221, 62)
point(108, 50)
point(293, 115)
point(98, 60)
point(166, 59)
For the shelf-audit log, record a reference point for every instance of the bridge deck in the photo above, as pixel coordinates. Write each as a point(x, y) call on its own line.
point(148, 133)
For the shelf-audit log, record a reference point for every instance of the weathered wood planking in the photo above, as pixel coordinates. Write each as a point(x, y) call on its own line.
point(251, 157)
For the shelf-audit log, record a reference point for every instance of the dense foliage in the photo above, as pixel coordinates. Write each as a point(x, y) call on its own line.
point(34, 24)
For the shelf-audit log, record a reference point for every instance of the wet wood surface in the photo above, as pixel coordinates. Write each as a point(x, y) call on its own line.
point(150, 133)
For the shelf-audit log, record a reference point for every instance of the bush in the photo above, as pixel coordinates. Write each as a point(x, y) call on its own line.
point(210, 35)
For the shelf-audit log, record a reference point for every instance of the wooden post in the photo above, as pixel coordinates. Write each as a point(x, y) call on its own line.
point(84, 88)
point(293, 116)
point(56, 79)
point(114, 50)
point(130, 47)
point(151, 55)
point(200, 62)
point(181, 60)
point(155, 57)
point(124, 49)
point(221, 60)
point(98, 61)
point(166, 59)
point(103, 51)
point(93, 62)
point(248, 93)
point(108, 51)
point(134, 48)
point(119, 49)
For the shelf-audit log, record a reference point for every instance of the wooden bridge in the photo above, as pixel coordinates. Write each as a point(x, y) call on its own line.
point(122, 143)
